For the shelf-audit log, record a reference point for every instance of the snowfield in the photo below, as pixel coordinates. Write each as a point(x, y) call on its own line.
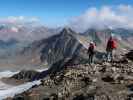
point(9, 90)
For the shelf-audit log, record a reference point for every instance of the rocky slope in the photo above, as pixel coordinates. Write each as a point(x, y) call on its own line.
point(129, 55)
point(103, 81)
point(25, 75)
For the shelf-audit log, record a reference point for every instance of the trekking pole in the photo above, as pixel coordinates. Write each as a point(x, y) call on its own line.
point(105, 34)
point(108, 29)
point(105, 56)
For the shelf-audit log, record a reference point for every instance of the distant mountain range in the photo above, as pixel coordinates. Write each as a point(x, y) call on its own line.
point(100, 37)
point(14, 37)
point(40, 45)
point(8, 44)
point(25, 32)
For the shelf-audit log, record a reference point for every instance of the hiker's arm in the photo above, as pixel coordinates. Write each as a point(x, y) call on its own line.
point(88, 50)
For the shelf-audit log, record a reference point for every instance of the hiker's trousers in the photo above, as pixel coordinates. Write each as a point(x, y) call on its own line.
point(91, 58)
point(110, 55)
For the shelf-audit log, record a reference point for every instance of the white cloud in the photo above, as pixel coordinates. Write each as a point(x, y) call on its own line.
point(13, 19)
point(18, 27)
point(14, 29)
point(18, 19)
point(34, 19)
point(111, 16)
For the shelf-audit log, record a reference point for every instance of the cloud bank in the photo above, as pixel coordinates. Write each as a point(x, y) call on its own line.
point(18, 27)
point(120, 16)
point(18, 19)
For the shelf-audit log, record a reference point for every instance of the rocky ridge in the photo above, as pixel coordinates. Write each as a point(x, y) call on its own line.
point(103, 81)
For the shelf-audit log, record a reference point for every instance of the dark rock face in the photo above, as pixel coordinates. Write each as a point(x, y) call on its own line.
point(108, 79)
point(25, 75)
point(19, 98)
point(79, 97)
point(129, 55)
point(63, 47)
point(60, 49)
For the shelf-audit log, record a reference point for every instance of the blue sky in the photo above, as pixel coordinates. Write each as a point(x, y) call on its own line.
point(52, 12)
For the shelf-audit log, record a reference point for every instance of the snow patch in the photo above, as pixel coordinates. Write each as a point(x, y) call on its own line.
point(17, 89)
point(7, 73)
point(10, 91)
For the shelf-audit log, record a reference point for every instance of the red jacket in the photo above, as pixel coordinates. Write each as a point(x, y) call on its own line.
point(112, 44)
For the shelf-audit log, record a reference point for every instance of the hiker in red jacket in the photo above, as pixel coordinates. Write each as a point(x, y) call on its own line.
point(91, 52)
point(111, 46)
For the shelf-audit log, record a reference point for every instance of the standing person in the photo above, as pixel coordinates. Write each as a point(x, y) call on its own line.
point(111, 46)
point(91, 52)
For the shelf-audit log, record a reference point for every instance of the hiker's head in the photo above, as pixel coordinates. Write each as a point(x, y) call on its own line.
point(111, 36)
point(91, 42)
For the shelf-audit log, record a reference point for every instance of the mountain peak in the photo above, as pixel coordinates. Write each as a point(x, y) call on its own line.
point(67, 30)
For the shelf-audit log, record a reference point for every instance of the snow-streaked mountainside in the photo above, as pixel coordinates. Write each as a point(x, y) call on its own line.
point(62, 47)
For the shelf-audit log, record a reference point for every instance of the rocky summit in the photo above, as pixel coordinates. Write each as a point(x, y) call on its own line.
point(101, 81)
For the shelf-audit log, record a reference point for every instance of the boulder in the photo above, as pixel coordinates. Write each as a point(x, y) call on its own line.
point(26, 75)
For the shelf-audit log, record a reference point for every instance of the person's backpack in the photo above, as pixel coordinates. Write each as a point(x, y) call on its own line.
point(113, 44)
point(91, 48)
